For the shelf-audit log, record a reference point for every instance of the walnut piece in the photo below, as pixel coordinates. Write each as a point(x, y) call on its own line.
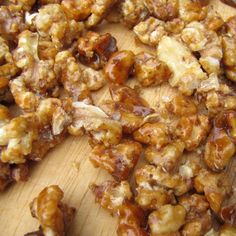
point(187, 72)
point(150, 31)
point(53, 215)
point(163, 9)
point(167, 220)
point(119, 67)
point(149, 71)
point(119, 160)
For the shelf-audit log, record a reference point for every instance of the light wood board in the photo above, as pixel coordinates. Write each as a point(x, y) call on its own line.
point(58, 167)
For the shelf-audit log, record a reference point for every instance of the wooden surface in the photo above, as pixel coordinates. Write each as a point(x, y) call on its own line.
point(68, 166)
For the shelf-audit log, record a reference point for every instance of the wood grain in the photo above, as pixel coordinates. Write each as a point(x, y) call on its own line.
point(59, 167)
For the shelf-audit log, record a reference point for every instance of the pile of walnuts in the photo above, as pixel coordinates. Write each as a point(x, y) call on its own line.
point(51, 62)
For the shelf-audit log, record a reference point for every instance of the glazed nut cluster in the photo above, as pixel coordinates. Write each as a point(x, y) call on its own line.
point(171, 162)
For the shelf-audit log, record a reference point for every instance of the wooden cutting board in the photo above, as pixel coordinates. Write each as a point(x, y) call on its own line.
point(69, 167)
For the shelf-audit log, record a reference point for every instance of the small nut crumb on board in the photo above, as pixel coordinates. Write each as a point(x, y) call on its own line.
point(159, 158)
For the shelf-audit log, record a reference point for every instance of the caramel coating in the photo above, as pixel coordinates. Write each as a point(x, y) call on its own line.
point(168, 157)
point(94, 50)
point(53, 215)
point(167, 220)
point(119, 160)
point(119, 67)
point(149, 71)
point(155, 134)
point(150, 31)
point(220, 146)
point(162, 9)
point(215, 186)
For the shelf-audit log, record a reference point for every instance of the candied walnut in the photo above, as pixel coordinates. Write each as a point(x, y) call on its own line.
point(70, 75)
point(127, 95)
point(167, 220)
point(192, 130)
point(99, 10)
point(198, 216)
point(132, 12)
point(94, 50)
point(174, 26)
point(207, 43)
point(119, 66)
point(193, 10)
point(26, 5)
point(168, 157)
point(213, 21)
point(180, 106)
point(229, 51)
point(112, 195)
point(163, 9)
point(131, 116)
point(77, 9)
point(187, 72)
point(51, 22)
point(152, 197)
point(8, 67)
point(96, 123)
point(11, 21)
point(93, 79)
point(131, 220)
point(149, 71)
point(215, 187)
point(118, 160)
point(228, 214)
point(155, 134)
point(230, 26)
point(17, 137)
point(150, 31)
point(220, 146)
point(46, 50)
point(53, 215)
point(156, 176)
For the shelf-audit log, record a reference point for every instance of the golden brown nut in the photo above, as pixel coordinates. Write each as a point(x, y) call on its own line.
point(192, 130)
point(118, 160)
point(132, 12)
point(127, 95)
point(174, 26)
point(8, 67)
point(155, 134)
point(151, 198)
point(187, 72)
point(26, 5)
point(51, 22)
point(46, 49)
point(96, 123)
point(69, 73)
point(167, 220)
point(94, 50)
point(99, 10)
point(130, 117)
point(131, 220)
point(220, 146)
point(77, 9)
point(230, 26)
point(227, 214)
point(149, 70)
point(111, 195)
point(11, 21)
point(156, 176)
point(198, 216)
point(53, 215)
point(193, 10)
point(119, 67)
point(213, 21)
point(163, 9)
point(168, 157)
point(150, 31)
point(215, 187)
point(93, 79)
